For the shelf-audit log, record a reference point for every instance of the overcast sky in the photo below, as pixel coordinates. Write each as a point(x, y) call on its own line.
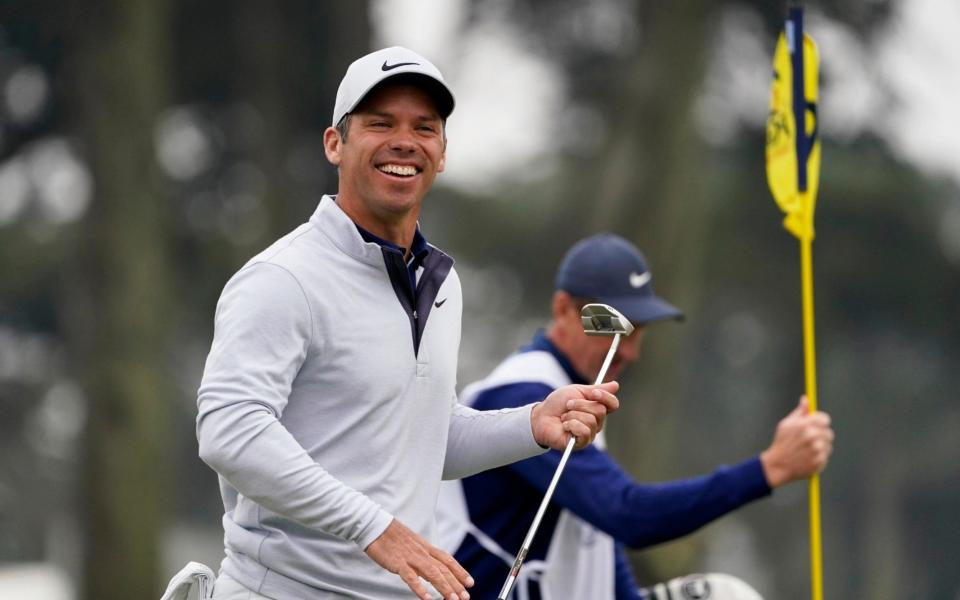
point(915, 60)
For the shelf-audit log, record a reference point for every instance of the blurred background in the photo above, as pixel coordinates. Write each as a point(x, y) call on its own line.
point(149, 147)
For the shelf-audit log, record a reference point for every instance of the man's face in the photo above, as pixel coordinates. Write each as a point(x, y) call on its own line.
point(393, 151)
point(592, 350)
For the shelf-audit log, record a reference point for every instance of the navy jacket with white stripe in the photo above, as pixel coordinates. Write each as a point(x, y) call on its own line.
point(503, 501)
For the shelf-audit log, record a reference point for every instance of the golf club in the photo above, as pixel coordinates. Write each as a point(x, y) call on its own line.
point(597, 319)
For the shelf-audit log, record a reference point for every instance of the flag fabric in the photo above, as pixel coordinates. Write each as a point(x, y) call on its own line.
point(792, 152)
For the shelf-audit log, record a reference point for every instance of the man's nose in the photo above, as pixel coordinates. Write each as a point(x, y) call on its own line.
point(402, 140)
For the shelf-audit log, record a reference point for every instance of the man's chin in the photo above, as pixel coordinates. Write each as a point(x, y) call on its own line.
point(399, 205)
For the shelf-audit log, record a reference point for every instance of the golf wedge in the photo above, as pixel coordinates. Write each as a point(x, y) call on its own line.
point(597, 319)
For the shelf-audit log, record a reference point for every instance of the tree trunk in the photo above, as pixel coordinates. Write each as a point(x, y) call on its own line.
point(117, 293)
point(290, 58)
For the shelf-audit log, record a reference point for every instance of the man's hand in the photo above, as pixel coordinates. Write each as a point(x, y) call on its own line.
point(801, 446)
point(576, 410)
point(401, 551)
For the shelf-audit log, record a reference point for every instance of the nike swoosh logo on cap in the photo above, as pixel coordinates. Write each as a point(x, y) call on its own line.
point(386, 67)
point(439, 303)
point(638, 280)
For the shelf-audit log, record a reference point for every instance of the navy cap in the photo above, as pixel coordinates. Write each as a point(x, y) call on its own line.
point(611, 270)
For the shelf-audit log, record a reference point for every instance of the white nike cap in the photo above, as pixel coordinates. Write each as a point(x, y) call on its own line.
point(368, 71)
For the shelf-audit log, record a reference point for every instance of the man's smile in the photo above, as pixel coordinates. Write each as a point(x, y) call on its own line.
point(398, 170)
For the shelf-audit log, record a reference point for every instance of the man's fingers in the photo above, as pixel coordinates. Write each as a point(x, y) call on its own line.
point(604, 394)
point(588, 406)
point(444, 573)
point(417, 565)
point(410, 577)
point(455, 568)
point(440, 578)
point(819, 441)
point(823, 448)
point(592, 421)
point(458, 593)
point(451, 583)
point(825, 443)
point(817, 426)
point(611, 386)
point(580, 431)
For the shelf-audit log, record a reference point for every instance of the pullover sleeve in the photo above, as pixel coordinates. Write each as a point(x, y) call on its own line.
point(263, 329)
point(596, 489)
point(481, 440)
point(626, 585)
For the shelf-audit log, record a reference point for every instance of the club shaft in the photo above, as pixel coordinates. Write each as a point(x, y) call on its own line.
point(608, 360)
point(525, 548)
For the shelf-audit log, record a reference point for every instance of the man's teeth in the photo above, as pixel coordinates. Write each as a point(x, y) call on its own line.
point(403, 170)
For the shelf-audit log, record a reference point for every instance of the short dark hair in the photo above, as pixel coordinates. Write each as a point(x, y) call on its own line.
point(342, 126)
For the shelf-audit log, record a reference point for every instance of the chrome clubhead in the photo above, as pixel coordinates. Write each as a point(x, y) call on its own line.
point(603, 319)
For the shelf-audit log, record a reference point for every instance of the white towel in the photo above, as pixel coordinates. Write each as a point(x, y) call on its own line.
point(193, 574)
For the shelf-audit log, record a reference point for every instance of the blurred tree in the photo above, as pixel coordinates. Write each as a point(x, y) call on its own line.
point(116, 303)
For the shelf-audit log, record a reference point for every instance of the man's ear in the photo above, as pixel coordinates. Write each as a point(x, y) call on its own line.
point(332, 145)
point(563, 306)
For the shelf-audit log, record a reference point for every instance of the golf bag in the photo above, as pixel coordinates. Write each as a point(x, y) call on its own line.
point(709, 586)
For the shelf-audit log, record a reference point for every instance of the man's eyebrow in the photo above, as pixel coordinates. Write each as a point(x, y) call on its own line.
point(389, 115)
point(376, 113)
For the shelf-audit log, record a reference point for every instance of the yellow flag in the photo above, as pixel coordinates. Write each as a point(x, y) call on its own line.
point(784, 153)
point(793, 172)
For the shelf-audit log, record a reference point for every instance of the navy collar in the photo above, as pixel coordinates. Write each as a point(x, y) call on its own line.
point(419, 249)
point(541, 342)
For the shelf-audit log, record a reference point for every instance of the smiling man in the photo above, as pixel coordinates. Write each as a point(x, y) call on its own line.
point(328, 404)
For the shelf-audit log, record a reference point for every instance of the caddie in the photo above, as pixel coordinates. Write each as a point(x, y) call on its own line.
point(597, 509)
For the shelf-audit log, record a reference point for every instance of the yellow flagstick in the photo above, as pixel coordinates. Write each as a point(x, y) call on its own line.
point(793, 172)
point(810, 375)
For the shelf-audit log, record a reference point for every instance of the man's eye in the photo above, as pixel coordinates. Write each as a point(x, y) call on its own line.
point(427, 128)
point(379, 124)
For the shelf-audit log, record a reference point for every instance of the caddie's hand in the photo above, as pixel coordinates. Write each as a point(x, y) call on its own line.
point(801, 446)
point(401, 551)
point(576, 410)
